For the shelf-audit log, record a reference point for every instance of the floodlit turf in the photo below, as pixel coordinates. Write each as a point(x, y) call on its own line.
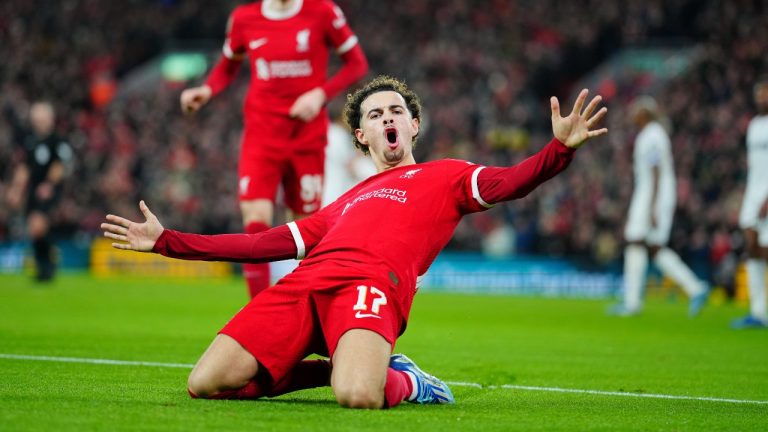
point(480, 339)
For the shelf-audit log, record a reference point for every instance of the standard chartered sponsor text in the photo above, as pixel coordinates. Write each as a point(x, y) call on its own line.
point(283, 68)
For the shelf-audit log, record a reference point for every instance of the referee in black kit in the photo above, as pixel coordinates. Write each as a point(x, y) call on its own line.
point(37, 182)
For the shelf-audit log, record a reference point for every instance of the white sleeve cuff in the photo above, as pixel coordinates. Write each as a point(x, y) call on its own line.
point(300, 248)
point(347, 45)
point(227, 50)
point(476, 189)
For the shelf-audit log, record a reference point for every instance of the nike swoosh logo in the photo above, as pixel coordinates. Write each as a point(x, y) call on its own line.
point(363, 315)
point(257, 43)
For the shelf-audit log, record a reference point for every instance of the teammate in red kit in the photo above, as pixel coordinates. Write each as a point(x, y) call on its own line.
point(285, 121)
point(351, 295)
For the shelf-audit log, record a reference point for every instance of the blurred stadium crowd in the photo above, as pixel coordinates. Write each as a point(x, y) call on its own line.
point(485, 70)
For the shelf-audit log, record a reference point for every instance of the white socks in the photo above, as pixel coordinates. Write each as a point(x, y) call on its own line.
point(672, 266)
point(635, 265)
point(756, 283)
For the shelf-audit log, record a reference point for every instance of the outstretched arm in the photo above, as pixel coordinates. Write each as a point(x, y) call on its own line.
point(571, 132)
point(271, 245)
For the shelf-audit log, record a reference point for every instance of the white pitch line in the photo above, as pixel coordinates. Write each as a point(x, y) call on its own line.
point(94, 361)
point(464, 384)
point(453, 383)
point(642, 395)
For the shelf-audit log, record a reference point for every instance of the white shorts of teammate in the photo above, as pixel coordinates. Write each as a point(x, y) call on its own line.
point(749, 217)
point(639, 229)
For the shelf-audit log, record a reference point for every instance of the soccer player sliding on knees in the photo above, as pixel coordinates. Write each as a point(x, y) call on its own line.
point(351, 296)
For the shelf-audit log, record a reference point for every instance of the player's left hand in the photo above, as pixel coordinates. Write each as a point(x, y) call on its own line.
point(308, 105)
point(135, 236)
point(578, 127)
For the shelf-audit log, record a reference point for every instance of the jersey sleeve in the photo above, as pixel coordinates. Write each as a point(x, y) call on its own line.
point(225, 70)
point(308, 232)
point(338, 33)
point(274, 244)
point(490, 185)
point(234, 44)
point(462, 179)
point(340, 37)
point(223, 73)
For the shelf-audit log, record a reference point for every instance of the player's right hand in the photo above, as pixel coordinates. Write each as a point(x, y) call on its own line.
point(192, 99)
point(134, 236)
point(308, 105)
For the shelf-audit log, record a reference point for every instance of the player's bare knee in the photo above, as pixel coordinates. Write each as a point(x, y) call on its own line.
point(206, 383)
point(196, 391)
point(199, 386)
point(192, 394)
point(359, 396)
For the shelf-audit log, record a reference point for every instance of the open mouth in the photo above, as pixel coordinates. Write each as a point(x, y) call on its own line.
point(391, 134)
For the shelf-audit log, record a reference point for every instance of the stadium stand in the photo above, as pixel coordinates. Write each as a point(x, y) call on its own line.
point(510, 56)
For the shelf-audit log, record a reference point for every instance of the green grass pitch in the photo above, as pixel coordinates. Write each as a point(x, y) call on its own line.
point(488, 340)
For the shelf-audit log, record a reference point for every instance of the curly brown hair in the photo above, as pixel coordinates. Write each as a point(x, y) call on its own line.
point(352, 109)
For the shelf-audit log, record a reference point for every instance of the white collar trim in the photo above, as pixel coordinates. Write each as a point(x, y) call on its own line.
point(280, 15)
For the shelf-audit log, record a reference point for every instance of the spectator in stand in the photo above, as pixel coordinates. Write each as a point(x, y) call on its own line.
point(495, 65)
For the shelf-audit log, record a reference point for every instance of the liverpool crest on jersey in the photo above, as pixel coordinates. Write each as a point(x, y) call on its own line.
point(302, 41)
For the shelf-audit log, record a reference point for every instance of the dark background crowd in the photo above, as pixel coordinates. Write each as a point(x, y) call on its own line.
point(485, 71)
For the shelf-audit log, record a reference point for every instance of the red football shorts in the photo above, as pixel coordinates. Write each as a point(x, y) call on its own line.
point(305, 315)
point(279, 150)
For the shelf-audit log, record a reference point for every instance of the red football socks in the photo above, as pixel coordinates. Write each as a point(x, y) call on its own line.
point(397, 388)
point(252, 390)
point(310, 374)
point(307, 374)
point(256, 275)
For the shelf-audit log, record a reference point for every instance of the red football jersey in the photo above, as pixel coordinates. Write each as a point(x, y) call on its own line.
point(392, 225)
point(288, 51)
point(388, 228)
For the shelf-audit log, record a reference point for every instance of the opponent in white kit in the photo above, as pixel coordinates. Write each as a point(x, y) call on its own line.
point(753, 211)
point(650, 215)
